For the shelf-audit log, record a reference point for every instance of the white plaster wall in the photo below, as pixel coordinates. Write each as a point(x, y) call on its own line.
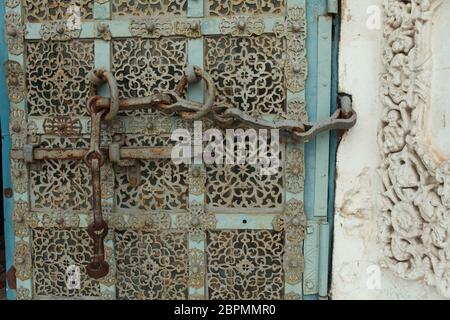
point(356, 250)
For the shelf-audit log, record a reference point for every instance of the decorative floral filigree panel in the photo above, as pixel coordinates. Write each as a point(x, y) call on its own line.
point(49, 10)
point(245, 265)
point(53, 252)
point(60, 185)
point(245, 185)
point(149, 7)
point(248, 72)
point(233, 7)
point(57, 77)
point(145, 66)
point(162, 185)
point(152, 265)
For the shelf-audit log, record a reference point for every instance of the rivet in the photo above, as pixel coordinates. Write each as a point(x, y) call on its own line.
point(296, 68)
point(196, 173)
point(296, 221)
point(296, 27)
point(20, 260)
point(150, 26)
point(195, 222)
point(12, 32)
point(241, 25)
point(150, 126)
point(101, 28)
point(309, 284)
point(60, 29)
point(16, 127)
point(194, 26)
point(60, 220)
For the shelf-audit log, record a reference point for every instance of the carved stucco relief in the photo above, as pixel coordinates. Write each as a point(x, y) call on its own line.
point(415, 219)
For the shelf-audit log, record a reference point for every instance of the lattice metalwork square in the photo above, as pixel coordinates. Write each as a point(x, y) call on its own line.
point(152, 265)
point(163, 186)
point(145, 66)
point(234, 7)
point(247, 185)
point(60, 185)
point(57, 77)
point(148, 7)
point(50, 10)
point(53, 252)
point(248, 72)
point(245, 265)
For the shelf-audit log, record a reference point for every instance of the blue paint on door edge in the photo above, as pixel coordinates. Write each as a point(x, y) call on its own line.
point(6, 149)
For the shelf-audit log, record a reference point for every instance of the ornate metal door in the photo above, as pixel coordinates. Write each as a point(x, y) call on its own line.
point(175, 231)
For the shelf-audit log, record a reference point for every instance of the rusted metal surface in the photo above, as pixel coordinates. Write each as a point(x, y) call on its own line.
point(126, 153)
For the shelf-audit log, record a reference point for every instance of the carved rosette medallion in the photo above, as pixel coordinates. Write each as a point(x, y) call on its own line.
point(17, 127)
point(242, 26)
point(22, 260)
point(15, 80)
point(415, 200)
point(59, 31)
point(150, 28)
point(292, 221)
point(197, 268)
point(295, 170)
point(15, 32)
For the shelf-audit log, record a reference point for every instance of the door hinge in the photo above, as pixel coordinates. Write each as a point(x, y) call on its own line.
point(333, 6)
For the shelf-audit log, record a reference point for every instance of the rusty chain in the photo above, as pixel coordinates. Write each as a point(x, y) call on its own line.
point(173, 103)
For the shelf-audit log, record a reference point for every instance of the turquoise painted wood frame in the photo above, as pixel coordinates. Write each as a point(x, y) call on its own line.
point(320, 153)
